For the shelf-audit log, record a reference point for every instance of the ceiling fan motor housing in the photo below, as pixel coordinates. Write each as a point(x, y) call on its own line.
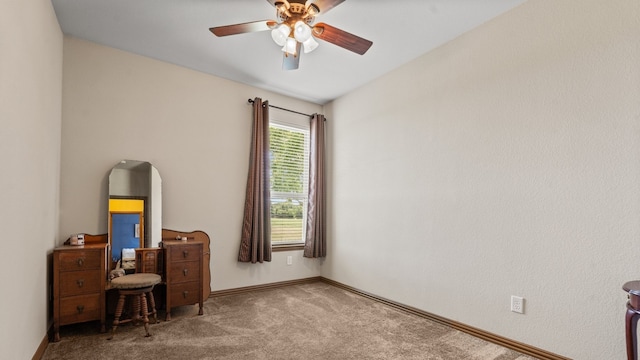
point(293, 11)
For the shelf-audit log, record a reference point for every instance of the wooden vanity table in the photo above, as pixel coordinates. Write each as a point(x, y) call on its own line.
point(80, 276)
point(81, 291)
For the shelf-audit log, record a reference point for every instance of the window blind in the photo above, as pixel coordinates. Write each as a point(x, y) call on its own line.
point(289, 177)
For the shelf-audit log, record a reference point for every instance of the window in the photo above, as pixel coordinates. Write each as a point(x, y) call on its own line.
point(289, 177)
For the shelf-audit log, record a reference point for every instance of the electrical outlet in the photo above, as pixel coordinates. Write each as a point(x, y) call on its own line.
point(517, 304)
point(289, 260)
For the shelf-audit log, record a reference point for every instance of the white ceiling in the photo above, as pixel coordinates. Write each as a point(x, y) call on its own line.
point(177, 31)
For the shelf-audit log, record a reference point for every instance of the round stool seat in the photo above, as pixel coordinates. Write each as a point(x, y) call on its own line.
point(135, 281)
point(138, 285)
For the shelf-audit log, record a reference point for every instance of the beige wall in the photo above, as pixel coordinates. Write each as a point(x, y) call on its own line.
point(503, 163)
point(30, 100)
point(194, 128)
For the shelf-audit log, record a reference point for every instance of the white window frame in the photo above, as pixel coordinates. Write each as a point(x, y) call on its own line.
point(293, 122)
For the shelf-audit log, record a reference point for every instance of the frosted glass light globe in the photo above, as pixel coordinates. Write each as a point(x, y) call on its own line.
point(309, 45)
point(280, 34)
point(301, 31)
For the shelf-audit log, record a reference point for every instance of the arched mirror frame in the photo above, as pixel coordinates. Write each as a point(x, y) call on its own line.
point(135, 181)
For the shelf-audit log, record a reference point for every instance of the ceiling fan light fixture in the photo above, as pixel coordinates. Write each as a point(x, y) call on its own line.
point(295, 30)
point(309, 45)
point(301, 31)
point(290, 46)
point(280, 34)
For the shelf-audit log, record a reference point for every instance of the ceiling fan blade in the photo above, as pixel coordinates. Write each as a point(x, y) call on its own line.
point(326, 5)
point(290, 62)
point(248, 27)
point(341, 38)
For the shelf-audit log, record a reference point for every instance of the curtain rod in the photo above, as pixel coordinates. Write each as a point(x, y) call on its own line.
point(279, 108)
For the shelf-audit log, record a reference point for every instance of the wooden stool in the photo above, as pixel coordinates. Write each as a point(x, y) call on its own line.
point(139, 286)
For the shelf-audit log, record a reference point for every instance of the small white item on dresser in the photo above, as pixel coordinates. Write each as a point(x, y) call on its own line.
point(76, 239)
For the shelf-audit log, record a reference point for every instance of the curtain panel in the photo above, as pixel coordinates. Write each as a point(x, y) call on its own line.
point(315, 244)
point(255, 242)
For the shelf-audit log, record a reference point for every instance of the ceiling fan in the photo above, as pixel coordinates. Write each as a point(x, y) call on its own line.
point(294, 29)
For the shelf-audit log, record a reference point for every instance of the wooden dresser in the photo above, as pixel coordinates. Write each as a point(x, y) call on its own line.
point(183, 274)
point(79, 276)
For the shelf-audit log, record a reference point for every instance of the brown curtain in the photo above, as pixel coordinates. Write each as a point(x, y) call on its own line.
point(316, 245)
point(255, 242)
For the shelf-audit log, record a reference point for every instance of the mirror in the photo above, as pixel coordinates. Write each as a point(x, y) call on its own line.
point(135, 208)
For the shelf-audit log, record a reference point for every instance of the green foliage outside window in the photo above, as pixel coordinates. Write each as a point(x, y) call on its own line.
point(290, 209)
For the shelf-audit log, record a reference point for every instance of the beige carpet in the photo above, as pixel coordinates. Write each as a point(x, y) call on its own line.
point(308, 321)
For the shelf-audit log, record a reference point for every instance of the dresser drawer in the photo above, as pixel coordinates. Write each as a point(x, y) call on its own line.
point(185, 293)
point(79, 282)
point(80, 308)
point(79, 276)
point(186, 252)
point(148, 266)
point(184, 271)
point(149, 260)
point(79, 260)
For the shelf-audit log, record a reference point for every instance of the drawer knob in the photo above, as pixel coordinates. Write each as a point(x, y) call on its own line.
point(185, 253)
point(80, 262)
point(80, 308)
point(185, 294)
point(80, 282)
point(185, 271)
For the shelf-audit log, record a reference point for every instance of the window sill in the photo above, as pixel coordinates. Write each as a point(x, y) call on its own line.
point(287, 247)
